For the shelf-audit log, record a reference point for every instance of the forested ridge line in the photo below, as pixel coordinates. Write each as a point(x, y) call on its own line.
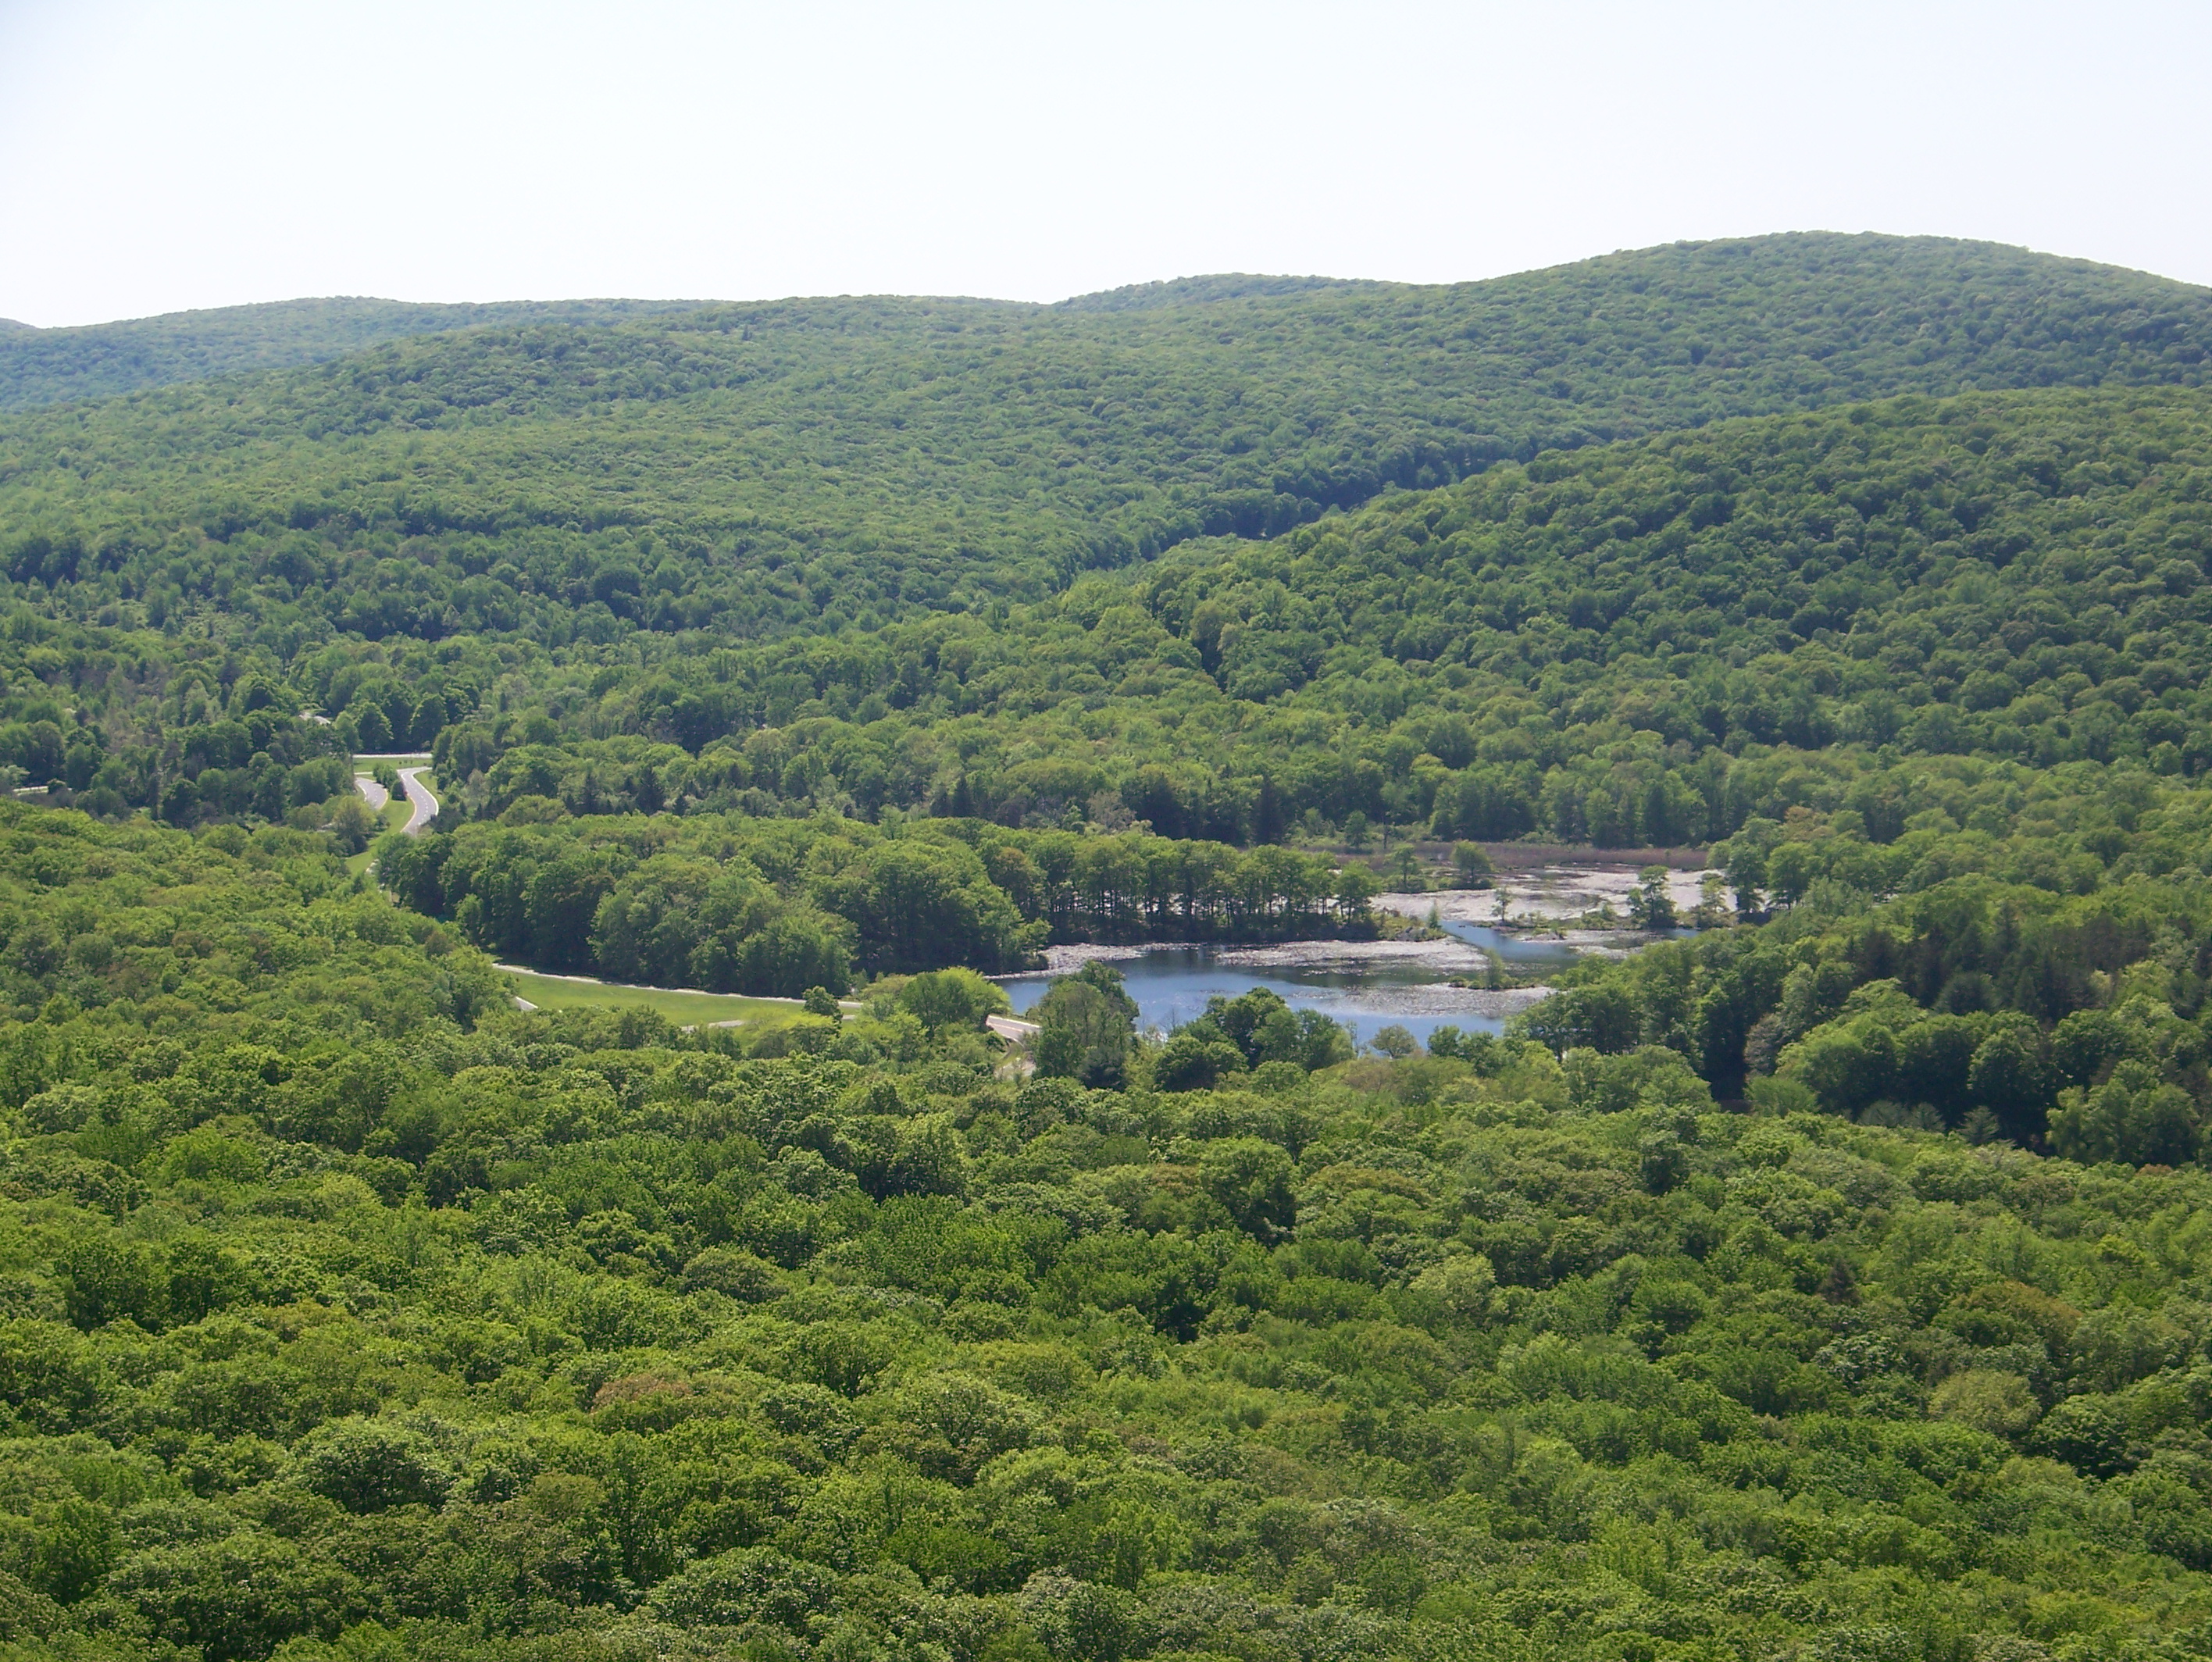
point(185, 599)
point(766, 468)
point(72, 364)
point(1587, 648)
point(1827, 1286)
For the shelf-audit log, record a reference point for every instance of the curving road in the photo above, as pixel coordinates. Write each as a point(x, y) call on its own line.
point(423, 806)
point(418, 794)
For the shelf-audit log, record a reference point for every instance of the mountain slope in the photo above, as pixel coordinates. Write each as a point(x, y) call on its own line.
point(349, 1313)
point(770, 468)
point(56, 366)
point(1630, 645)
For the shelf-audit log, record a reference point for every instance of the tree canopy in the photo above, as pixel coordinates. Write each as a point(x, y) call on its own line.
point(1829, 1283)
point(352, 1312)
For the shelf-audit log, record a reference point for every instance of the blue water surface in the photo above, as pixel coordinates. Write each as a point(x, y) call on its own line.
point(1172, 984)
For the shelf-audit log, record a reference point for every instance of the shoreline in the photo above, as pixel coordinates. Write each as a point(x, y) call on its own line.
point(1432, 999)
point(1538, 901)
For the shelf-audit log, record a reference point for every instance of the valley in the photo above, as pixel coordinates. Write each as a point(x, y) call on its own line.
point(1249, 968)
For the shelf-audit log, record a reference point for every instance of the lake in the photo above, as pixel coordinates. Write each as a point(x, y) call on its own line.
point(1172, 984)
point(1371, 984)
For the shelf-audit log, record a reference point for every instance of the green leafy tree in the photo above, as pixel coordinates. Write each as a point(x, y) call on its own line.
point(1396, 1041)
point(2135, 1117)
point(104, 1279)
point(1472, 866)
point(947, 1000)
point(1649, 904)
point(75, 1552)
point(1087, 1025)
point(366, 1466)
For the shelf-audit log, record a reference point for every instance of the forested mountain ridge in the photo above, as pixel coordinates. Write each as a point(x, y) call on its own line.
point(99, 360)
point(791, 467)
point(1628, 644)
point(1832, 1285)
point(1589, 648)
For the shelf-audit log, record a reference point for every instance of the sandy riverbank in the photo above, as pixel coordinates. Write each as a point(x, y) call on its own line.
point(1541, 898)
point(1446, 957)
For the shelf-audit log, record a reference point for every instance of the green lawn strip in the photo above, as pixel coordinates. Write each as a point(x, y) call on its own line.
point(684, 1009)
point(390, 818)
point(394, 815)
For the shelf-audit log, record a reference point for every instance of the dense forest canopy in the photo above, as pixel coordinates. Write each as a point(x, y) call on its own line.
point(1627, 645)
point(98, 361)
point(360, 539)
point(1830, 1285)
point(349, 1313)
point(781, 467)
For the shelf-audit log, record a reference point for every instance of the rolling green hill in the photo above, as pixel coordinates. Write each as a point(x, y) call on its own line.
point(1583, 647)
point(791, 466)
point(98, 361)
point(832, 543)
point(1831, 1284)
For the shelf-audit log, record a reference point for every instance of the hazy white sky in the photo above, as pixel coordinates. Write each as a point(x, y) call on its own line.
point(154, 157)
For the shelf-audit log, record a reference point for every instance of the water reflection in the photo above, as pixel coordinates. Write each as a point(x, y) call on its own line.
point(1514, 948)
point(1172, 984)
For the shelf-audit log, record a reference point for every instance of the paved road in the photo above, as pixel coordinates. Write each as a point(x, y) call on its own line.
point(424, 805)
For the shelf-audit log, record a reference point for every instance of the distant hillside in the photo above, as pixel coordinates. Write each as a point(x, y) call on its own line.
point(776, 468)
point(55, 366)
point(1594, 647)
point(1229, 285)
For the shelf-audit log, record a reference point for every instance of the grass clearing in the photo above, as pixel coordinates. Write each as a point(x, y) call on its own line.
point(684, 1009)
point(390, 818)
